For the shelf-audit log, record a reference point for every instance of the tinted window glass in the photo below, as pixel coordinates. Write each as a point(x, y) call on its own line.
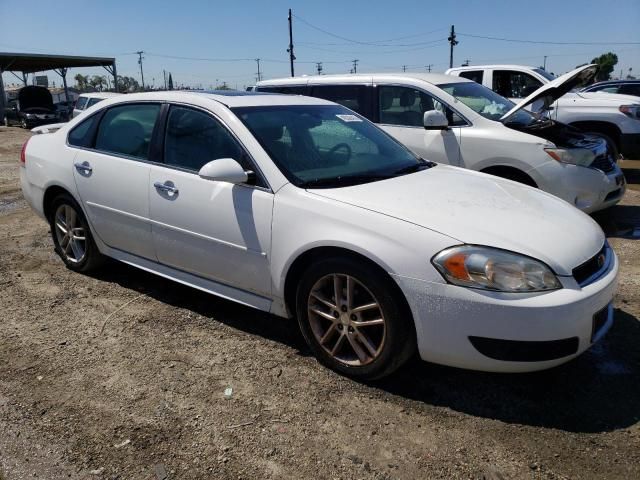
point(355, 97)
point(194, 138)
point(292, 90)
point(127, 129)
point(93, 101)
point(512, 84)
point(406, 106)
point(82, 135)
point(81, 102)
point(475, 75)
point(630, 89)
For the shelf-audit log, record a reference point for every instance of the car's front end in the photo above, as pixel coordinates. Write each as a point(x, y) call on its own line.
point(34, 117)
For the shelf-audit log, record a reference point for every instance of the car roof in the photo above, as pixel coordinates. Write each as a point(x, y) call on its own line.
point(99, 94)
point(225, 97)
point(433, 78)
point(612, 82)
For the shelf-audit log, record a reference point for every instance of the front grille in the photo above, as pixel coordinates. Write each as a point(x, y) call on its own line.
point(604, 163)
point(592, 266)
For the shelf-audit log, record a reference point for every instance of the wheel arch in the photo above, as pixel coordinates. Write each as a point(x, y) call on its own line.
point(53, 191)
point(307, 257)
point(511, 173)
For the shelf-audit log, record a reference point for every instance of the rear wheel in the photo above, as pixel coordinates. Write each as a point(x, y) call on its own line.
point(72, 237)
point(353, 320)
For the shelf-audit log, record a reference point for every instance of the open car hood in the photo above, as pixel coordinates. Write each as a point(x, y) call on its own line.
point(550, 92)
point(35, 97)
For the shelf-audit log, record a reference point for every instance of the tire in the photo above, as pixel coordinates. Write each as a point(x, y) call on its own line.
point(338, 334)
point(23, 123)
point(84, 256)
point(6, 122)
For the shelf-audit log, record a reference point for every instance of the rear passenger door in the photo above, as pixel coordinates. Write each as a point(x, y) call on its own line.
point(401, 112)
point(111, 170)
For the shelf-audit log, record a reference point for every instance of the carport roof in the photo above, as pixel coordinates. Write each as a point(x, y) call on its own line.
point(35, 62)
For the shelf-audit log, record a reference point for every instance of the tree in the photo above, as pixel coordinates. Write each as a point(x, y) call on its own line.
point(98, 82)
point(82, 82)
point(607, 62)
point(170, 82)
point(127, 84)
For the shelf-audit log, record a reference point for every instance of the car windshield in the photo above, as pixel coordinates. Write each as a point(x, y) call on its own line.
point(487, 102)
point(326, 146)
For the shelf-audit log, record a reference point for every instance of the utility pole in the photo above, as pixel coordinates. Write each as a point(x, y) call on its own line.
point(259, 76)
point(355, 66)
point(164, 74)
point(453, 42)
point(544, 64)
point(319, 67)
point(466, 63)
point(140, 63)
point(404, 68)
point(428, 67)
point(292, 57)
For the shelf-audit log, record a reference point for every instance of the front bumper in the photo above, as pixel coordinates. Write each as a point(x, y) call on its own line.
point(449, 318)
point(588, 189)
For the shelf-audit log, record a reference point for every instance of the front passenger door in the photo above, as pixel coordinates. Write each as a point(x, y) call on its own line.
point(216, 230)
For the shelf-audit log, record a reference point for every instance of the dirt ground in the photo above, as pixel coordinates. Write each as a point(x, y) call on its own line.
point(122, 375)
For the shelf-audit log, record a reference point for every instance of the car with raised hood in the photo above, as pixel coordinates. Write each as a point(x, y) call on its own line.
point(613, 115)
point(302, 208)
point(456, 121)
point(33, 107)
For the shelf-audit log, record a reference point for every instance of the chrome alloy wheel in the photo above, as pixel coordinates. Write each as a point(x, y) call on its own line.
point(70, 234)
point(346, 319)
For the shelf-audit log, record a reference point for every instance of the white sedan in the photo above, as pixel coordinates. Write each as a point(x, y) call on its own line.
point(299, 207)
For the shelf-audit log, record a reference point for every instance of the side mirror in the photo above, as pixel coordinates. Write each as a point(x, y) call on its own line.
point(224, 170)
point(435, 120)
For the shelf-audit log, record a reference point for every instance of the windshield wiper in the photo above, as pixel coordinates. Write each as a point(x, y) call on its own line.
point(345, 181)
point(416, 167)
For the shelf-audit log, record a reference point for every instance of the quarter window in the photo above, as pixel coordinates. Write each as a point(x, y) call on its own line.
point(93, 101)
point(81, 102)
point(82, 135)
point(512, 84)
point(405, 106)
point(127, 130)
point(195, 138)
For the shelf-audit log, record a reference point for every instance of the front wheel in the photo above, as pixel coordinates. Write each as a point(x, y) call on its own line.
point(72, 237)
point(353, 319)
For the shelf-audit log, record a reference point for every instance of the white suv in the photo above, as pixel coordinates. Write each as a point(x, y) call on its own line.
point(88, 100)
point(614, 115)
point(456, 121)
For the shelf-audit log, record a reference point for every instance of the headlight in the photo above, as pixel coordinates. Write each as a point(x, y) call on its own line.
point(573, 156)
point(632, 111)
point(494, 269)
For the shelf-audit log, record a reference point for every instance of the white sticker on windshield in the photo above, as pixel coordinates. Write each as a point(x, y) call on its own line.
point(349, 118)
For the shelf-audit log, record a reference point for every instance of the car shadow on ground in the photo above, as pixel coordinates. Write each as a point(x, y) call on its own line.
point(622, 221)
point(596, 392)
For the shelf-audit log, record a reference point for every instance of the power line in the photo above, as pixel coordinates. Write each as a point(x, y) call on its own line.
point(441, 41)
point(545, 42)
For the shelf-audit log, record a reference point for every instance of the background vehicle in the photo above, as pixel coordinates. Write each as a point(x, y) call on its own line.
point(390, 253)
point(33, 107)
point(614, 115)
point(64, 110)
point(469, 131)
point(87, 100)
point(625, 87)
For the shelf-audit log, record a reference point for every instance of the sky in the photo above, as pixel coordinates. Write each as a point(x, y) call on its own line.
point(204, 43)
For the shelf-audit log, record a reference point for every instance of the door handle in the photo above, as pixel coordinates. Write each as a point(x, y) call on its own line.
point(83, 168)
point(167, 187)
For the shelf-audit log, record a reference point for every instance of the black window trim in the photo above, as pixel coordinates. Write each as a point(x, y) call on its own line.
point(256, 168)
point(447, 104)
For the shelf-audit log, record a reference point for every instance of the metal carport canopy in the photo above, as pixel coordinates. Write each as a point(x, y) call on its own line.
point(36, 62)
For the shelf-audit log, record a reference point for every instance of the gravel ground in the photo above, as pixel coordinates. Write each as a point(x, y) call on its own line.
point(122, 375)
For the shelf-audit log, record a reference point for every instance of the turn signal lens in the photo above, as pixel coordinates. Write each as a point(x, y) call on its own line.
point(23, 154)
point(494, 269)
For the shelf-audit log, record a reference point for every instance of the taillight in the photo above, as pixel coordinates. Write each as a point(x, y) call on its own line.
point(23, 154)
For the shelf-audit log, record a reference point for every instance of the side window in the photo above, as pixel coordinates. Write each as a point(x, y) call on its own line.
point(82, 135)
point(405, 106)
point(475, 75)
point(512, 84)
point(127, 129)
point(630, 89)
point(292, 90)
point(81, 102)
point(355, 97)
point(93, 101)
point(194, 138)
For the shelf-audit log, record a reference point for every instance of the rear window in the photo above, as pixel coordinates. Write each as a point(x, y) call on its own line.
point(81, 103)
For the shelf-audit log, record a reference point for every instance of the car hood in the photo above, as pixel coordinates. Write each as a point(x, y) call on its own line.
point(476, 208)
point(553, 90)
